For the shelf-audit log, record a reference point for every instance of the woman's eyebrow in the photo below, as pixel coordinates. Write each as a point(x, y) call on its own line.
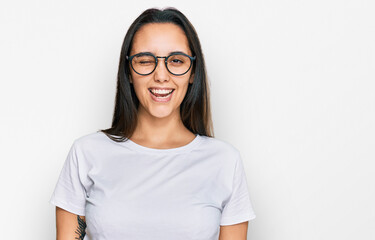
point(144, 53)
point(174, 52)
point(177, 52)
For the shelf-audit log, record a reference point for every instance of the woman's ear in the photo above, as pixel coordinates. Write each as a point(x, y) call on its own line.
point(191, 79)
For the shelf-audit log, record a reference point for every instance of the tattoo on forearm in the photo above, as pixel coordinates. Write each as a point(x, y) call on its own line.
point(81, 229)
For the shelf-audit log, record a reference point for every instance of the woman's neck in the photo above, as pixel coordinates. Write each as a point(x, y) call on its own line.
point(166, 132)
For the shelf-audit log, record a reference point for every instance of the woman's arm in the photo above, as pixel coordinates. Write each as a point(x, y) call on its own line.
point(234, 232)
point(69, 226)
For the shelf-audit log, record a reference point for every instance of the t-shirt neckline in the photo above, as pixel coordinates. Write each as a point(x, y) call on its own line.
point(182, 149)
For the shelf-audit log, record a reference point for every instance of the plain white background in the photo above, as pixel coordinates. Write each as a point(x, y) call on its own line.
point(292, 87)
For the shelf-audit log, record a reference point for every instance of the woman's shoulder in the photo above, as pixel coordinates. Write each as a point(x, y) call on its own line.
point(218, 145)
point(98, 139)
point(91, 140)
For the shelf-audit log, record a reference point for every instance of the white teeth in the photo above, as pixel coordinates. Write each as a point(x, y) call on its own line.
point(161, 91)
point(164, 96)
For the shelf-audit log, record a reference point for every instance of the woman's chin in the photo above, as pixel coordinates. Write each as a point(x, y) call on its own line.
point(160, 112)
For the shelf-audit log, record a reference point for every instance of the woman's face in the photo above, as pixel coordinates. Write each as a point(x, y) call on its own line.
point(160, 39)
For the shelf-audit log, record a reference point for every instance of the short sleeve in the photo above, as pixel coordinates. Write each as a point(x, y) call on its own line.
point(69, 192)
point(238, 208)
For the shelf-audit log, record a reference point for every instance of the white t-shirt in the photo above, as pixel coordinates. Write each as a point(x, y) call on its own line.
point(128, 191)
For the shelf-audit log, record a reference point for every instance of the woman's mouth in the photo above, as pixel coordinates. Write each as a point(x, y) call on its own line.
point(161, 95)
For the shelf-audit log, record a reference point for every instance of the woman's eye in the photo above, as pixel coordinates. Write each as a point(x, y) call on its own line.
point(146, 62)
point(176, 61)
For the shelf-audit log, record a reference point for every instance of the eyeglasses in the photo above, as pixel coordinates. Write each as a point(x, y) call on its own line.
point(176, 63)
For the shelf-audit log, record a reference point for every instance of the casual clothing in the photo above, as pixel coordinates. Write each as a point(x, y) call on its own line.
point(128, 191)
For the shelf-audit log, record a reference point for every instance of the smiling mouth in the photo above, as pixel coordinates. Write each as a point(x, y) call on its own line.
point(161, 93)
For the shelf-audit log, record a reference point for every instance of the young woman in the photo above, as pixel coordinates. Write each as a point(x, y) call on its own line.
point(158, 172)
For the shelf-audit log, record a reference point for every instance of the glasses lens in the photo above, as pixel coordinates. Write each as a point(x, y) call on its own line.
point(143, 64)
point(178, 64)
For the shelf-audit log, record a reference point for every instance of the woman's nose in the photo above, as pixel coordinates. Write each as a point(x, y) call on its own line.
point(161, 71)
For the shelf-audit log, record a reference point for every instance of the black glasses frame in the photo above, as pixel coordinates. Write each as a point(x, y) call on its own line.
point(130, 58)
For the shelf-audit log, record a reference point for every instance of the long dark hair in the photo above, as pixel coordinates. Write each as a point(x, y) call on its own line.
point(195, 109)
